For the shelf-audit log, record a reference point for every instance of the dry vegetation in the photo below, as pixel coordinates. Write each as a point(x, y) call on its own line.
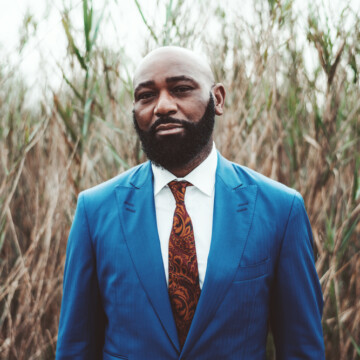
point(298, 126)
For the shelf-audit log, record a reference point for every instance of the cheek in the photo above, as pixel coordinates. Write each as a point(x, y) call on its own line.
point(143, 117)
point(193, 110)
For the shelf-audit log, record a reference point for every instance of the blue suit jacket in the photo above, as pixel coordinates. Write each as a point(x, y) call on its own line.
point(260, 270)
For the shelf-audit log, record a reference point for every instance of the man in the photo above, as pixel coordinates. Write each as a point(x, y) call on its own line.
point(188, 256)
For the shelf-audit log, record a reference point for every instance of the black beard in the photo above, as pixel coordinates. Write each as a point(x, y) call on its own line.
point(177, 150)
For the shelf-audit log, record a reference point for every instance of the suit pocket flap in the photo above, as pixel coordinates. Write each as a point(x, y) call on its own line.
point(251, 272)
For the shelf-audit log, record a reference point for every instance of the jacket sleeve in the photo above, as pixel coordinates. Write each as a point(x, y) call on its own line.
point(81, 319)
point(297, 302)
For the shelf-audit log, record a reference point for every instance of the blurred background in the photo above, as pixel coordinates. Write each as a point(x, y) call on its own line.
point(291, 70)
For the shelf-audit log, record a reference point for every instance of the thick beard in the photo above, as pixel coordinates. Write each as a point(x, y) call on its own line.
point(178, 150)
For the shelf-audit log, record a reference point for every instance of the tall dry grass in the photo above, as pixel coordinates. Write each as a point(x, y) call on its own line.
point(296, 125)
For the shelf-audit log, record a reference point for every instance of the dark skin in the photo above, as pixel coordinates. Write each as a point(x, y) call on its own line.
point(173, 81)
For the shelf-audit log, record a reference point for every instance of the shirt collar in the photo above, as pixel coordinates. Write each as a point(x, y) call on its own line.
point(202, 177)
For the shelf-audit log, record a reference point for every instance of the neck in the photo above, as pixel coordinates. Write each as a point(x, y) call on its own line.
point(181, 172)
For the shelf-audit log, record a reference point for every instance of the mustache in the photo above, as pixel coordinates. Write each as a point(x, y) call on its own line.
point(169, 120)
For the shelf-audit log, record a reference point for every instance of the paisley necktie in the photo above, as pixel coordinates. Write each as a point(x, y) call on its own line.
point(184, 288)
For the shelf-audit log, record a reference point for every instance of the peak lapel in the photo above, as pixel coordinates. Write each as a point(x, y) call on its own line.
point(138, 220)
point(233, 213)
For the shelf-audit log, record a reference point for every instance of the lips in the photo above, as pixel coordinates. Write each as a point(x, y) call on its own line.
point(169, 129)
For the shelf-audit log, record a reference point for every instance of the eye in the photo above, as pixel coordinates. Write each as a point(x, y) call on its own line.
point(182, 89)
point(145, 95)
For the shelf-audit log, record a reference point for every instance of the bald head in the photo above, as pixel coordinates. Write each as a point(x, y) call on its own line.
point(182, 60)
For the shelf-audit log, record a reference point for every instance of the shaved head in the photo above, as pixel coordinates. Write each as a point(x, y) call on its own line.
point(186, 61)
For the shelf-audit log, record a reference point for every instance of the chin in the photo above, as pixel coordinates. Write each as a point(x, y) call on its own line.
point(170, 137)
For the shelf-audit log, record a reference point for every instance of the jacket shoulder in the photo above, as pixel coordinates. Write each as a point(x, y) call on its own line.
point(263, 181)
point(247, 176)
point(101, 192)
point(267, 187)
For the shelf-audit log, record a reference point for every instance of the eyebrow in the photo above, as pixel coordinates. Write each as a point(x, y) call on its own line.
point(168, 80)
point(144, 84)
point(180, 78)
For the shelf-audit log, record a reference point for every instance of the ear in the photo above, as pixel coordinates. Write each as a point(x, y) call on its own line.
point(219, 93)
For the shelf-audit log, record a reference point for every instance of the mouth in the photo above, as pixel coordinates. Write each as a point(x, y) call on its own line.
point(169, 129)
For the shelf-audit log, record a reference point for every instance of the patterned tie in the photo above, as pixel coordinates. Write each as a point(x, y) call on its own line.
point(184, 288)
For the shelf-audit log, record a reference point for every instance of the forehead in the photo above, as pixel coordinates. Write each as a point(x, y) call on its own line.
point(159, 67)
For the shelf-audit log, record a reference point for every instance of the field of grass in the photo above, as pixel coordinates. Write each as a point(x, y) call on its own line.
point(295, 123)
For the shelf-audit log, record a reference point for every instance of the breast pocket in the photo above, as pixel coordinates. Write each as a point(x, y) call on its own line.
point(251, 272)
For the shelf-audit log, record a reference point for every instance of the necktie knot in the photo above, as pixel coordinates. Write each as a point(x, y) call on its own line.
point(178, 189)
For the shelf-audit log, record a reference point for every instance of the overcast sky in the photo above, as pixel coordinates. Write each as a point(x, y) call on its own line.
point(49, 45)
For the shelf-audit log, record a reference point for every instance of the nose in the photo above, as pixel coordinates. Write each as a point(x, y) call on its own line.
point(165, 105)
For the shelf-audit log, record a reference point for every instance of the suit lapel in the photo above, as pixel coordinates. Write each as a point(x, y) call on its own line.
point(138, 219)
point(233, 213)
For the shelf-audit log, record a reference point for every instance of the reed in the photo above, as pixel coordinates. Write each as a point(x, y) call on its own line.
point(296, 125)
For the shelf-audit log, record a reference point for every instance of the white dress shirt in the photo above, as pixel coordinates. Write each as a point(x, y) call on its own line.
point(199, 203)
